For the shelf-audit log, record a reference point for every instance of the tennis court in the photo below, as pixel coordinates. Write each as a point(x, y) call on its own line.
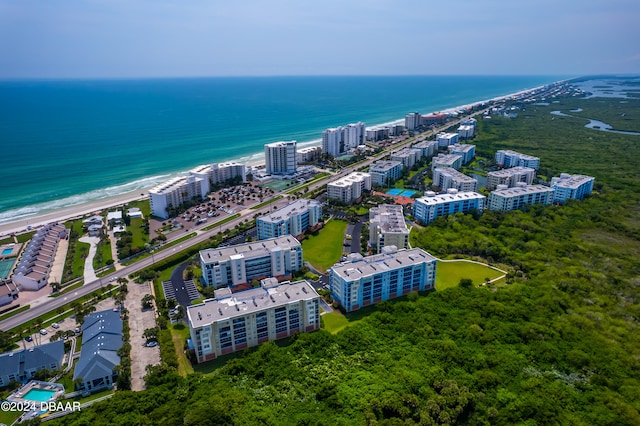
point(401, 192)
point(5, 267)
point(395, 191)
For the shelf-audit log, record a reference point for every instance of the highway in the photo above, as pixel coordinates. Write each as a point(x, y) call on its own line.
point(56, 302)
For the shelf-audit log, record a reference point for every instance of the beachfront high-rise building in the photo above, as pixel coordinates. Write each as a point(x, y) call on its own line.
point(383, 173)
point(571, 186)
point(364, 281)
point(510, 177)
point(232, 322)
point(446, 160)
point(350, 187)
point(218, 173)
point(508, 158)
point(337, 141)
point(387, 227)
point(468, 152)
point(170, 195)
point(295, 219)
point(446, 139)
point(412, 121)
point(427, 208)
point(379, 134)
point(240, 264)
point(428, 148)
point(280, 158)
point(446, 178)
point(515, 198)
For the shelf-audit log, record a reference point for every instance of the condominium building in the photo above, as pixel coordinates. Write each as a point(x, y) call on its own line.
point(384, 173)
point(295, 219)
point(280, 158)
point(571, 186)
point(427, 208)
point(350, 187)
point(469, 121)
point(453, 161)
point(219, 173)
point(379, 134)
point(407, 156)
point(22, 365)
point(309, 154)
point(232, 322)
point(446, 139)
point(466, 131)
point(510, 177)
point(446, 178)
point(433, 119)
point(508, 158)
point(387, 227)
point(337, 141)
point(175, 192)
point(515, 198)
point(364, 281)
point(428, 148)
point(468, 152)
point(412, 120)
point(240, 264)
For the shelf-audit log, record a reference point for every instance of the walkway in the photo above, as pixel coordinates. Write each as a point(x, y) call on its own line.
point(89, 272)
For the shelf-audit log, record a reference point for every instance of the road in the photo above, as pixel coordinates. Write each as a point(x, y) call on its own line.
point(201, 236)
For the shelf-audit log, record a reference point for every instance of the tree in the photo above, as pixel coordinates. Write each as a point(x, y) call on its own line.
point(151, 333)
point(55, 286)
point(147, 301)
point(465, 283)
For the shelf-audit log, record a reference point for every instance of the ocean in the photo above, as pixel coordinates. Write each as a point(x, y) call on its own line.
point(66, 142)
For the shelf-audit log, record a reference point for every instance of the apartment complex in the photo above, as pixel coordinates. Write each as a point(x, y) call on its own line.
point(295, 219)
point(21, 365)
point(453, 161)
point(240, 264)
point(407, 156)
point(446, 139)
point(427, 208)
point(337, 141)
point(510, 177)
point(280, 158)
point(387, 227)
point(219, 173)
point(571, 186)
point(507, 158)
point(412, 120)
point(466, 151)
point(308, 154)
point(350, 187)
point(466, 131)
point(33, 268)
point(515, 198)
point(428, 148)
point(235, 321)
point(384, 173)
point(363, 281)
point(446, 178)
point(175, 192)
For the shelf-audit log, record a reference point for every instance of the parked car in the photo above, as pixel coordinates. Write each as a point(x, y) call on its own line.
point(77, 330)
point(43, 332)
point(28, 339)
point(151, 344)
point(55, 325)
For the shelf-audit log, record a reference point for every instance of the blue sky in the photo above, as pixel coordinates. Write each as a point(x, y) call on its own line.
point(165, 38)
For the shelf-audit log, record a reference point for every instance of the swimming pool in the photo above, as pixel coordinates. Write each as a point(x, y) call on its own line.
point(5, 267)
point(7, 251)
point(39, 395)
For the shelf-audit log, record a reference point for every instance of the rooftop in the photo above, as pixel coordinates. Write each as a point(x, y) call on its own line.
point(245, 302)
point(461, 147)
point(523, 156)
point(521, 190)
point(456, 175)
point(371, 265)
point(383, 166)
point(390, 218)
point(512, 171)
point(249, 250)
point(570, 181)
point(444, 198)
point(297, 207)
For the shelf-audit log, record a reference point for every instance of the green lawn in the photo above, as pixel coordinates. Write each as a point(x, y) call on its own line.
point(179, 333)
point(138, 235)
point(325, 249)
point(335, 321)
point(449, 274)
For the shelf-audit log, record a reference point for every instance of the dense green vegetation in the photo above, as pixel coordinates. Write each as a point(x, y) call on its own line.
point(558, 345)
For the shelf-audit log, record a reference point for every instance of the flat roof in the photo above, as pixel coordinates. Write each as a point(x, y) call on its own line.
point(249, 250)
point(378, 263)
point(292, 209)
point(461, 147)
point(389, 217)
point(521, 190)
point(444, 198)
point(524, 156)
point(249, 301)
point(458, 176)
point(511, 171)
point(350, 179)
point(573, 181)
point(383, 166)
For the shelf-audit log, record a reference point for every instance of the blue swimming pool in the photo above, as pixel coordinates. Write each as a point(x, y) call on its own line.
point(39, 395)
point(7, 251)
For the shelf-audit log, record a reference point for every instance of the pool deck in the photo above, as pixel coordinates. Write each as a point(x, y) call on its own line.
point(18, 396)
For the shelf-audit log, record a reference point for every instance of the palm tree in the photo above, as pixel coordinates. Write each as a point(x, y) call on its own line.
point(55, 286)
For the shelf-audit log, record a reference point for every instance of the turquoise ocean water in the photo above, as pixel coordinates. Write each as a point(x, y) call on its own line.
point(73, 141)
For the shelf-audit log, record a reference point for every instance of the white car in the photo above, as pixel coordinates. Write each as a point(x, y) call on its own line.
point(55, 325)
point(43, 331)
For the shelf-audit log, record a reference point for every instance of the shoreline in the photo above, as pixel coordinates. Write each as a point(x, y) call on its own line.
point(62, 214)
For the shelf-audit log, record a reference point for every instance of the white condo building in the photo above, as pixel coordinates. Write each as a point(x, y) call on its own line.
point(384, 173)
point(309, 154)
point(350, 187)
point(466, 131)
point(337, 141)
point(515, 198)
point(507, 158)
point(453, 161)
point(468, 152)
point(219, 173)
point(571, 186)
point(412, 121)
point(280, 158)
point(295, 219)
point(242, 263)
point(387, 227)
point(446, 139)
point(363, 281)
point(510, 177)
point(232, 322)
point(446, 178)
point(428, 148)
point(408, 157)
point(175, 192)
point(427, 208)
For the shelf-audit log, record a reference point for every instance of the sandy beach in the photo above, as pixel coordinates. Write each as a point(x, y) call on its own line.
point(79, 210)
